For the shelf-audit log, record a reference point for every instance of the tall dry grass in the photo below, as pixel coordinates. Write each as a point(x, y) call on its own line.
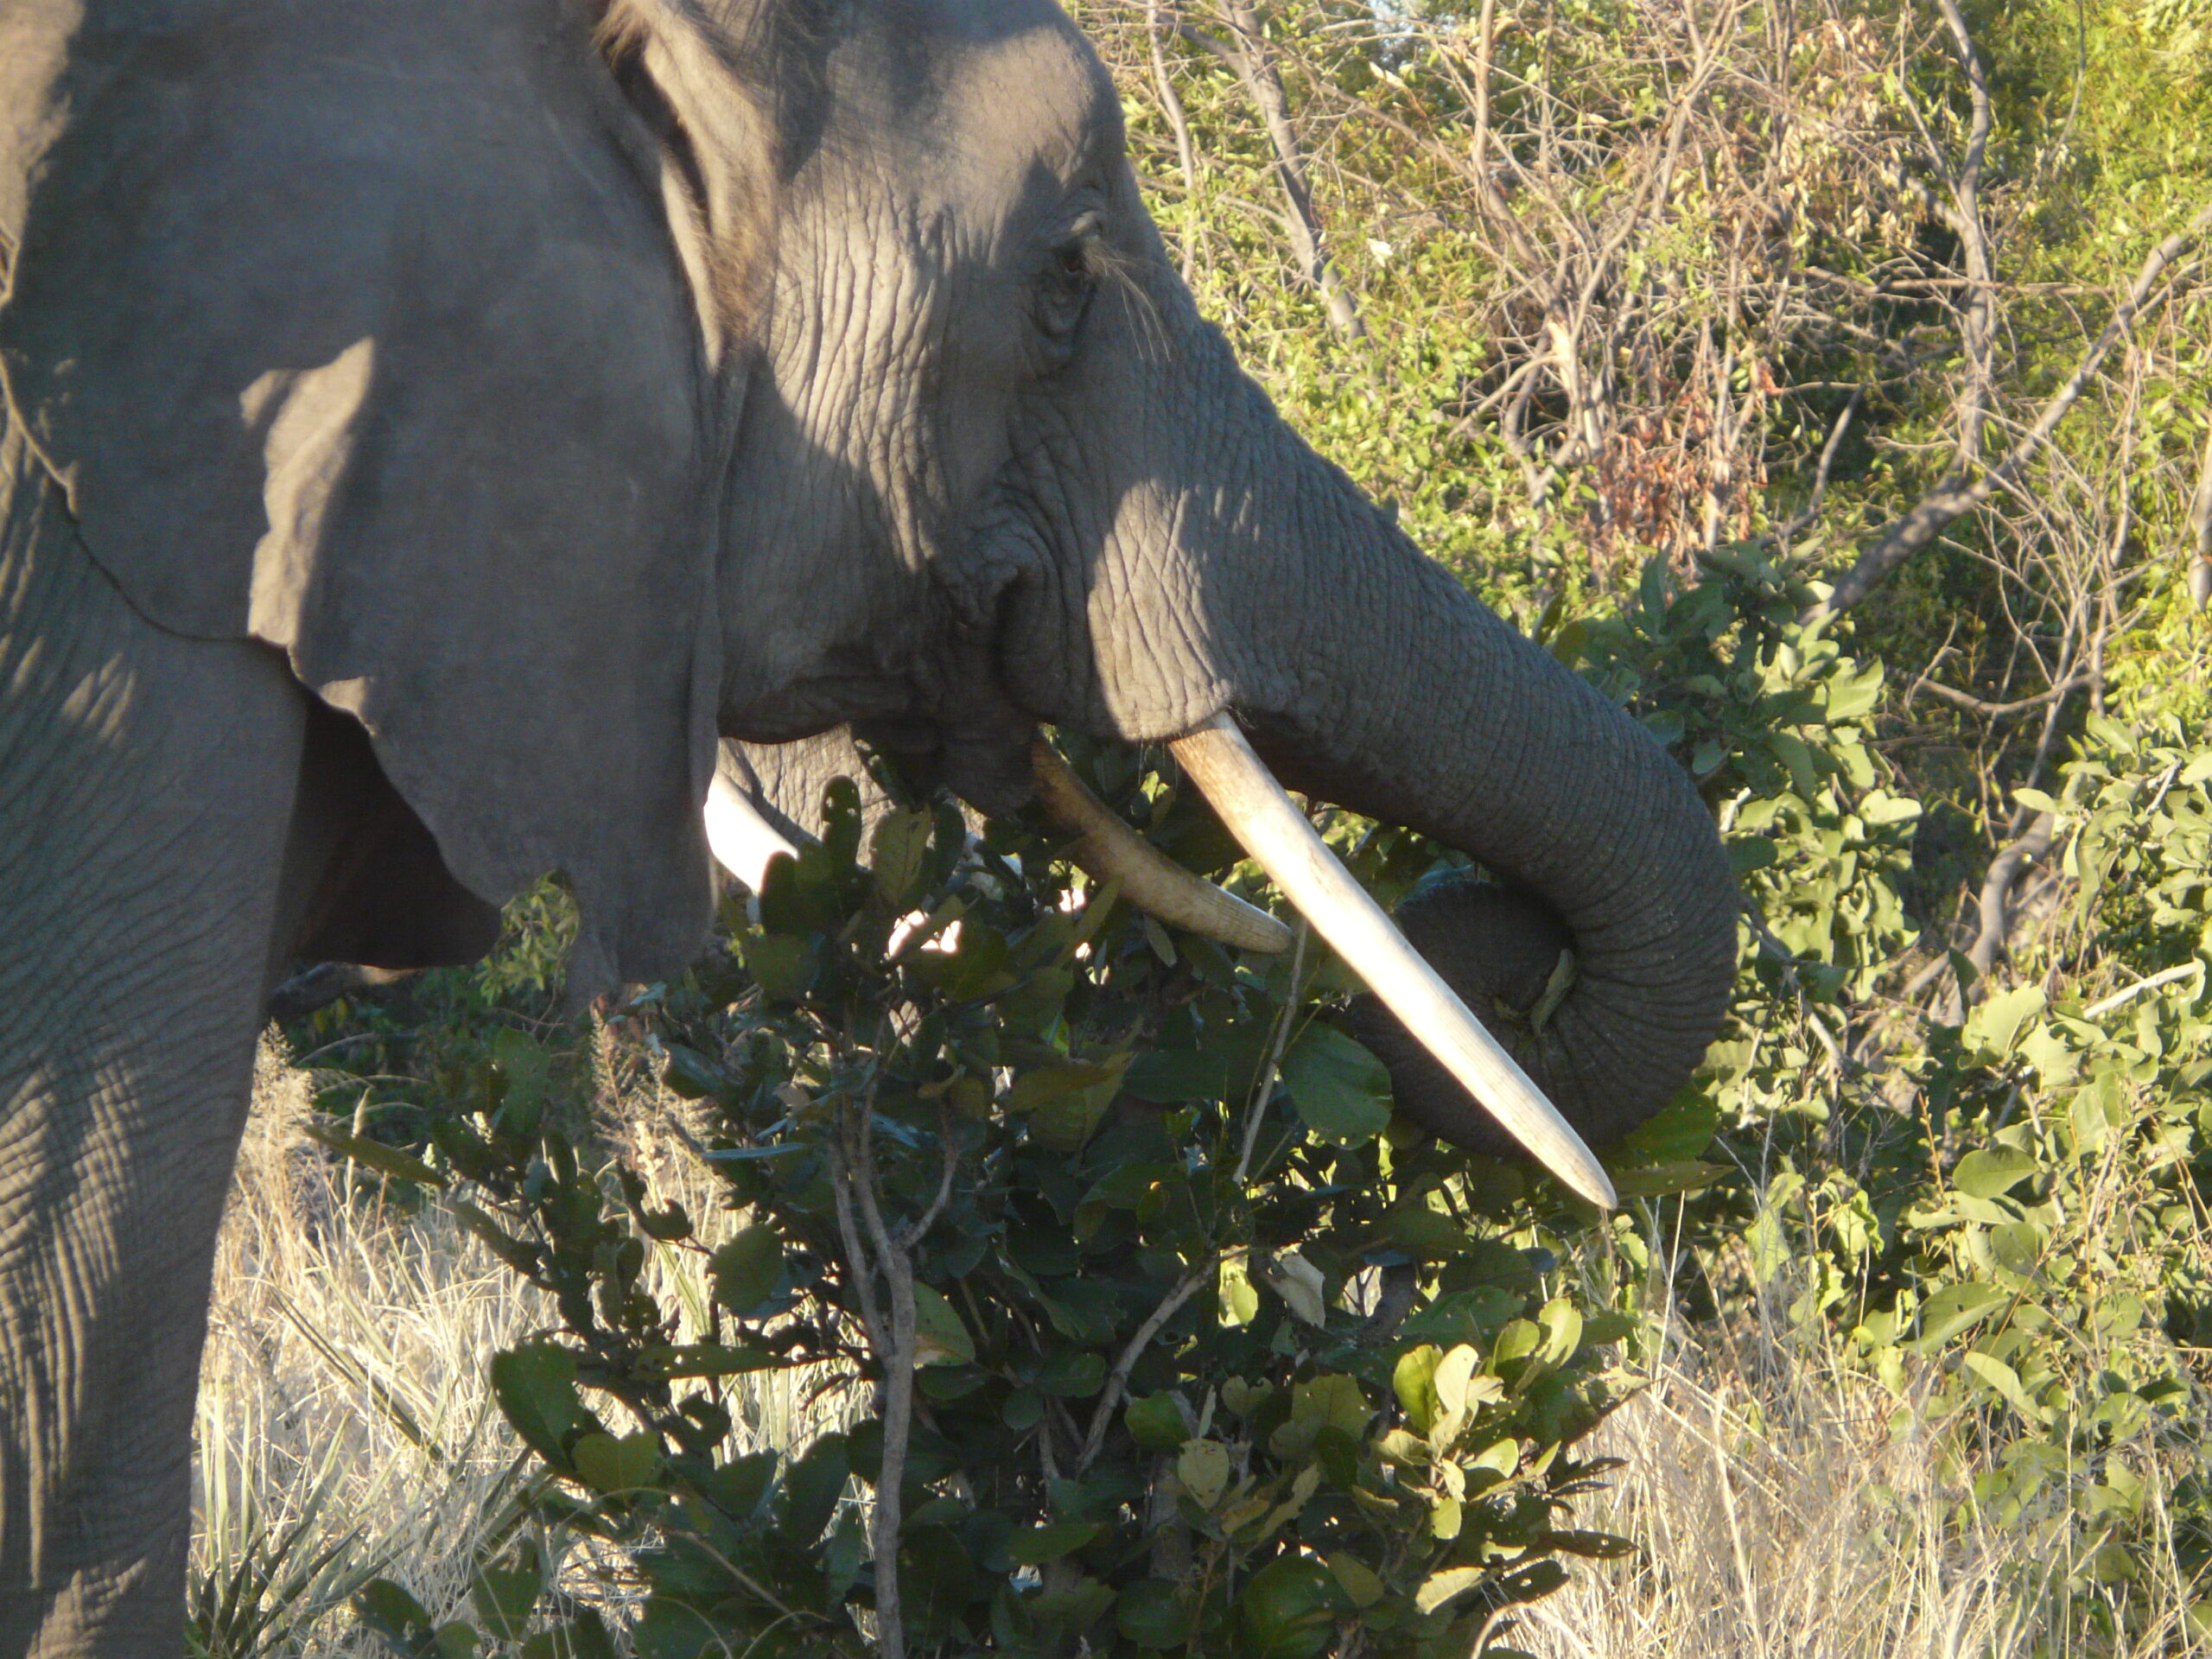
point(346, 1428)
point(1789, 1508)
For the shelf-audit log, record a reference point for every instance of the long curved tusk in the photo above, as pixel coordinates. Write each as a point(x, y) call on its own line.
point(1108, 849)
point(1261, 816)
point(742, 839)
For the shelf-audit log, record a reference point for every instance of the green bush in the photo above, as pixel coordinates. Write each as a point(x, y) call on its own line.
point(1176, 1338)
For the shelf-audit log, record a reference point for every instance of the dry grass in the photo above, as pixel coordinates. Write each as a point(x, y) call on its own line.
point(1789, 1508)
point(345, 1414)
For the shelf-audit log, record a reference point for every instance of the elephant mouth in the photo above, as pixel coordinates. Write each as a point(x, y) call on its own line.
point(1275, 830)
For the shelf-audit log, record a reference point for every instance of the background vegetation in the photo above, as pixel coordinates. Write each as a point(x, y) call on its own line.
point(1829, 383)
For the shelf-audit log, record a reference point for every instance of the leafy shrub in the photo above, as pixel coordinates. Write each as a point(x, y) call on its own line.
point(1177, 1340)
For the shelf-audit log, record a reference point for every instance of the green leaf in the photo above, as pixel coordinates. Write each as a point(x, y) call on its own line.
point(2006, 1382)
point(1050, 1542)
point(1171, 1077)
point(1954, 1308)
point(745, 1269)
point(373, 1154)
point(610, 1466)
point(1356, 1578)
point(1151, 1614)
point(897, 851)
point(1992, 1172)
point(1065, 1103)
point(1678, 1133)
point(813, 1488)
point(535, 1387)
point(1440, 1587)
point(1073, 1374)
point(781, 964)
point(1288, 1610)
point(1426, 1235)
point(1337, 1085)
point(387, 1609)
point(1202, 1469)
point(1996, 1024)
point(712, 1359)
point(939, 1336)
point(504, 1597)
point(1413, 1381)
point(1156, 1422)
point(1662, 1180)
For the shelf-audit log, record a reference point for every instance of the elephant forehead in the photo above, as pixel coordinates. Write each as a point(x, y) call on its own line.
point(987, 89)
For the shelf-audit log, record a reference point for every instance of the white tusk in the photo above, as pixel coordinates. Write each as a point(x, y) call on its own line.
point(1261, 816)
point(742, 839)
point(1108, 849)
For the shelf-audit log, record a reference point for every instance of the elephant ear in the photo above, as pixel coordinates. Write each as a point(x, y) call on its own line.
point(364, 330)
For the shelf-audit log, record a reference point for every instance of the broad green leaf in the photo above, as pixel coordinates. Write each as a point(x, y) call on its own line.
point(1426, 1235)
point(1997, 1022)
point(1662, 1180)
point(1992, 1172)
point(1151, 1614)
point(1441, 1587)
point(782, 964)
point(1288, 1610)
point(1202, 1469)
point(1356, 1578)
point(1050, 1542)
point(504, 1597)
point(898, 848)
point(940, 1339)
point(1239, 1299)
point(1073, 1374)
point(745, 1270)
point(373, 1154)
point(1172, 1077)
point(2006, 1382)
point(713, 1359)
point(1339, 1088)
point(1677, 1135)
point(611, 1465)
point(535, 1387)
point(1413, 1380)
point(1156, 1422)
point(812, 1487)
point(1065, 1103)
point(1954, 1308)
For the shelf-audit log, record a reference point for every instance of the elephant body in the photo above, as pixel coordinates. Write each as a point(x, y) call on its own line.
point(430, 425)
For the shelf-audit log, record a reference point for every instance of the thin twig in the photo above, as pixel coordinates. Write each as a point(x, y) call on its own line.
point(1256, 1108)
point(1118, 1379)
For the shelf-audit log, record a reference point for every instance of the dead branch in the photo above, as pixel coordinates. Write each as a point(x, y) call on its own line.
point(1997, 891)
point(1955, 496)
point(1974, 705)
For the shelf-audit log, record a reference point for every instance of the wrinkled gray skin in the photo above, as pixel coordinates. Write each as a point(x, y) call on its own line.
point(431, 423)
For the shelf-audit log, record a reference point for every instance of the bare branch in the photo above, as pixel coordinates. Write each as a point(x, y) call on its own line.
point(1974, 705)
point(1954, 496)
point(1117, 1380)
point(1997, 891)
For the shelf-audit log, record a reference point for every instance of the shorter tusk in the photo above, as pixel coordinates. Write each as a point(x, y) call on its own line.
point(742, 839)
point(1108, 849)
point(1261, 815)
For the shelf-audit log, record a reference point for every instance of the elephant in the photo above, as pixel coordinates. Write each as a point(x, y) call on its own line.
point(432, 426)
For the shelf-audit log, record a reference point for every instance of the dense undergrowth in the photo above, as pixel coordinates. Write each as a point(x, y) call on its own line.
point(1201, 1349)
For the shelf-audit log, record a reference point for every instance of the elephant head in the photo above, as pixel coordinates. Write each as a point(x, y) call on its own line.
point(561, 384)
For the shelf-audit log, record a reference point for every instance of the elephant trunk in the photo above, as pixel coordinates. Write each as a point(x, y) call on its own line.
point(1603, 954)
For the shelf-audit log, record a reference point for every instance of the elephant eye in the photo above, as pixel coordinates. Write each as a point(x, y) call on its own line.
point(1068, 281)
